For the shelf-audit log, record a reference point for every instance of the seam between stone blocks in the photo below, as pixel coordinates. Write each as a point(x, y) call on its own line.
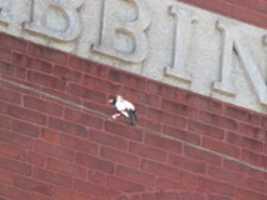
point(81, 107)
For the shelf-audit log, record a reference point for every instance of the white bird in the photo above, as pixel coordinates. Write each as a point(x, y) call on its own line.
point(125, 108)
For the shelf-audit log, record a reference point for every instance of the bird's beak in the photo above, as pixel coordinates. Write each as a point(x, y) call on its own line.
point(110, 101)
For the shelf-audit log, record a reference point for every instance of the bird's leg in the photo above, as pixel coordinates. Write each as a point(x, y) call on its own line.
point(116, 115)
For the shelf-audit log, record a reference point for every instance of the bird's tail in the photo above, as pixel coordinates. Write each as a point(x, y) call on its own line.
point(132, 117)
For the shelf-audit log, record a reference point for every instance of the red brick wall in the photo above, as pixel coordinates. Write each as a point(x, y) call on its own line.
point(57, 141)
point(250, 11)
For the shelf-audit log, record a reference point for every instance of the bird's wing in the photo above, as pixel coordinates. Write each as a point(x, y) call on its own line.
point(124, 105)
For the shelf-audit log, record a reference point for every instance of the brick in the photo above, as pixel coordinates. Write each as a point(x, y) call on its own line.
point(218, 121)
point(36, 159)
point(104, 138)
point(125, 186)
point(66, 74)
point(50, 136)
point(5, 122)
point(43, 106)
point(181, 135)
point(231, 165)
point(33, 186)
point(12, 151)
point(163, 143)
point(25, 128)
point(136, 96)
point(149, 124)
point(225, 175)
point(67, 127)
point(15, 166)
point(94, 163)
point(242, 114)
point(86, 93)
point(148, 152)
point(5, 55)
point(14, 193)
point(52, 178)
point(47, 53)
point(252, 132)
point(119, 157)
point(78, 144)
point(178, 108)
point(206, 185)
point(254, 158)
point(88, 67)
point(46, 81)
point(202, 155)
point(168, 184)
point(204, 129)
point(11, 42)
point(85, 119)
point(6, 177)
point(188, 164)
point(248, 195)
point(204, 103)
point(160, 170)
point(14, 138)
point(26, 115)
point(10, 96)
point(217, 197)
point(101, 85)
point(161, 89)
point(163, 195)
point(244, 142)
point(93, 189)
point(97, 177)
point(256, 185)
point(66, 168)
point(176, 121)
point(98, 107)
point(135, 175)
point(39, 65)
point(54, 151)
point(124, 131)
point(7, 69)
point(221, 147)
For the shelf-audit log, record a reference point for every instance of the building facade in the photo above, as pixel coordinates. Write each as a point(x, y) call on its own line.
point(196, 71)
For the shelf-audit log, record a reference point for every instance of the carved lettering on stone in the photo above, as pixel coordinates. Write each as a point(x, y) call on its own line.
point(231, 43)
point(56, 19)
point(5, 11)
point(183, 19)
point(134, 30)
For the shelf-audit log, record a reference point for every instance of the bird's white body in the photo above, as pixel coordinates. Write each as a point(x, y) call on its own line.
point(125, 108)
